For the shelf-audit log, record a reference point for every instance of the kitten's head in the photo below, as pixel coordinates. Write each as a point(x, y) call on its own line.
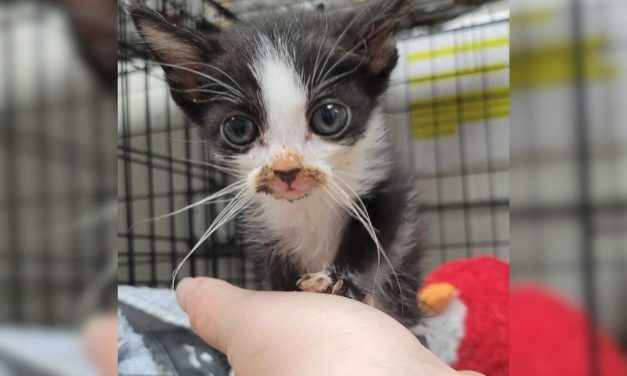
point(290, 99)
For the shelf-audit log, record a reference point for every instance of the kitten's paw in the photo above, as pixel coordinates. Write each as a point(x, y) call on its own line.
point(315, 282)
point(329, 282)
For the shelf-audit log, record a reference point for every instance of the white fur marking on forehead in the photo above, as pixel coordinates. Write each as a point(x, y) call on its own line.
point(284, 95)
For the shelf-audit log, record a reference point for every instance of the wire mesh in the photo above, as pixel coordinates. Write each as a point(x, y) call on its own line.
point(447, 109)
point(162, 168)
point(450, 98)
point(57, 170)
point(568, 191)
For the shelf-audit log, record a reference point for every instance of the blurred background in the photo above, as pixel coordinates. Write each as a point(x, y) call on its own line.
point(569, 186)
point(569, 154)
point(57, 174)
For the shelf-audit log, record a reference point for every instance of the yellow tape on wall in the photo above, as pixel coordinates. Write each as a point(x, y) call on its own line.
point(458, 73)
point(466, 47)
point(442, 116)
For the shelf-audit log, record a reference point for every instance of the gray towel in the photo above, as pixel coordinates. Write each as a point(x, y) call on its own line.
point(155, 337)
point(134, 358)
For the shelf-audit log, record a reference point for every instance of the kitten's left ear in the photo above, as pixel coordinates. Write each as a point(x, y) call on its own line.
point(374, 27)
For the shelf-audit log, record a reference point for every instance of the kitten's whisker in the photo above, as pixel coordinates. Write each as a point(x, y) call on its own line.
point(219, 98)
point(363, 211)
point(354, 212)
point(187, 141)
point(344, 57)
point(236, 205)
point(312, 78)
point(217, 95)
point(230, 88)
point(349, 174)
point(227, 160)
point(366, 216)
point(350, 24)
point(221, 201)
point(204, 75)
point(365, 220)
point(227, 169)
point(323, 85)
point(362, 206)
point(199, 90)
point(239, 185)
point(338, 40)
point(222, 94)
point(225, 74)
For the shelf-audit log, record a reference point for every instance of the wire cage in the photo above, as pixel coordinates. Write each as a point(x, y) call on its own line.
point(569, 154)
point(57, 195)
point(447, 109)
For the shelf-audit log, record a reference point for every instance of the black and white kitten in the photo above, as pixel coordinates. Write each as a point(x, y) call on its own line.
point(289, 103)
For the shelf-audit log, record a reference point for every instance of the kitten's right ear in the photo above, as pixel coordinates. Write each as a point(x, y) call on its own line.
point(372, 27)
point(180, 52)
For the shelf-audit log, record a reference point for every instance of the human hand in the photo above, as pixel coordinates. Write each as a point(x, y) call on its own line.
point(299, 333)
point(100, 337)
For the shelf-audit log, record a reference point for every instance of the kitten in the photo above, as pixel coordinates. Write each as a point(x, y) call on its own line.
point(290, 103)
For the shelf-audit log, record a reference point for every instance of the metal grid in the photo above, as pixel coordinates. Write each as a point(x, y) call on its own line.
point(161, 162)
point(450, 101)
point(57, 171)
point(161, 168)
point(569, 193)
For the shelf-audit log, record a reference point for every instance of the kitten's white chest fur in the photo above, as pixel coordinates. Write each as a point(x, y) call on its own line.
point(309, 230)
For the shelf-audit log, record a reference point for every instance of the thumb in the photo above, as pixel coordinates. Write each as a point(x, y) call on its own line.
point(211, 305)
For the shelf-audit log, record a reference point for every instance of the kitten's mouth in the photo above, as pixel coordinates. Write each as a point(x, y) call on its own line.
point(280, 190)
point(290, 192)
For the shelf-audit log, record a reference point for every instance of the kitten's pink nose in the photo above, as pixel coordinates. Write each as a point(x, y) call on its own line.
point(286, 165)
point(287, 176)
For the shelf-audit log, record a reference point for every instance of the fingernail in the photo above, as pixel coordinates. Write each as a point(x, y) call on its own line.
point(183, 289)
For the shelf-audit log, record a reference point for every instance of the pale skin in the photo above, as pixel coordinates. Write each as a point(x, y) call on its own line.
point(100, 338)
point(300, 333)
point(285, 333)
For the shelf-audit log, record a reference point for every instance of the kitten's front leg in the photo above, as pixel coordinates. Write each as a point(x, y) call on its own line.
point(334, 282)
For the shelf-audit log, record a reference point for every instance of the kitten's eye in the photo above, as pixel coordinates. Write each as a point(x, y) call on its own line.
point(329, 119)
point(239, 130)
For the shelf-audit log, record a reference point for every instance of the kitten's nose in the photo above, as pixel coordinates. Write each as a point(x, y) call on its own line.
point(287, 176)
point(286, 164)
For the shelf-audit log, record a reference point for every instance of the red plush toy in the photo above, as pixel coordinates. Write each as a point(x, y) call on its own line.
point(467, 303)
point(550, 336)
